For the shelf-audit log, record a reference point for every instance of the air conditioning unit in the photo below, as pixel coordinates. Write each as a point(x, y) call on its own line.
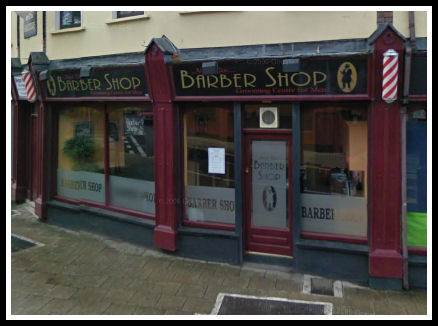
point(269, 117)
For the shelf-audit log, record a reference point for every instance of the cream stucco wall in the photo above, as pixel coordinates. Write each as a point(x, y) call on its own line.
point(32, 44)
point(100, 34)
point(204, 29)
point(14, 45)
point(401, 23)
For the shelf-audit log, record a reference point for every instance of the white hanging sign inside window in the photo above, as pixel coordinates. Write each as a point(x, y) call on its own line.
point(21, 88)
point(216, 160)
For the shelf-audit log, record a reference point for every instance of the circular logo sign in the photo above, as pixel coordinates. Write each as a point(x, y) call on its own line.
point(269, 198)
point(347, 77)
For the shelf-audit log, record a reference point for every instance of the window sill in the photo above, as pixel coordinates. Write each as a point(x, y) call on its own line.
point(190, 12)
point(68, 30)
point(342, 247)
point(126, 19)
point(417, 251)
point(102, 212)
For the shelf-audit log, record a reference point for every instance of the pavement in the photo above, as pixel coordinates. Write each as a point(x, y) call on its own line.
point(80, 273)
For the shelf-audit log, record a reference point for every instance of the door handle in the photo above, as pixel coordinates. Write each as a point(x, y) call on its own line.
point(247, 169)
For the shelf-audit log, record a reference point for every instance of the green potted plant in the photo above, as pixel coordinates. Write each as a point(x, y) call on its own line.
point(80, 149)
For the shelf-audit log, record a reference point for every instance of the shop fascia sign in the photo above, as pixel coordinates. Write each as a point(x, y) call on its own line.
point(340, 76)
point(97, 82)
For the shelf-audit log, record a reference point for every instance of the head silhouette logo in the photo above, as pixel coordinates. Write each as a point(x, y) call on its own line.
point(269, 198)
point(347, 77)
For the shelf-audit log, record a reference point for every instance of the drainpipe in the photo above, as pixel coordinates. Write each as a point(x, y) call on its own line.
point(407, 76)
point(44, 32)
point(18, 36)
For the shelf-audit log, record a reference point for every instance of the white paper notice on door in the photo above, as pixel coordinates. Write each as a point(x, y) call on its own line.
point(216, 160)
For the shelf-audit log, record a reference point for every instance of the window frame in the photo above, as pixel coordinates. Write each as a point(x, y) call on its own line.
point(116, 14)
point(63, 27)
point(419, 250)
point(183, 108)
point(329, 236)
point(106, 108)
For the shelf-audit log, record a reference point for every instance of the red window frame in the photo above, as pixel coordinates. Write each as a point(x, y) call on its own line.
point(106, 108)
point(329, 236)
point(187, 107)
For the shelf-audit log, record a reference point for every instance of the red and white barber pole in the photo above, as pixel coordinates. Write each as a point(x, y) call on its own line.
point(30, 87)
point(390, 76)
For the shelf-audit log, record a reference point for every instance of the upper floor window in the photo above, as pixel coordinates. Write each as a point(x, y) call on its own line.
point(69, 19)
point(123, 14)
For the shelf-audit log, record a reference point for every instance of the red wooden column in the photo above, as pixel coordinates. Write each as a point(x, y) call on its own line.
point(37, 62)
point(165, 150)
point(19, 181)
point(385, 259)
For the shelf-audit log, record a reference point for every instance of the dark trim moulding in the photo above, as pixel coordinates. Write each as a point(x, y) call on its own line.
point(417, 97)
point(284, 98)
point(99, 99)
point(329, 237)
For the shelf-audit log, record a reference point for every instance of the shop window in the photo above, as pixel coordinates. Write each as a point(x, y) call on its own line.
point(269, 113)
point(334, 170)
point(69, 19)
point(131, 159)
point(81, 166)
point(416, 177)
point(208, 149)
point(112, 164)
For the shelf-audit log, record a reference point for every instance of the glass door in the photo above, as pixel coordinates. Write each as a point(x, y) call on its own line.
point(268, 201)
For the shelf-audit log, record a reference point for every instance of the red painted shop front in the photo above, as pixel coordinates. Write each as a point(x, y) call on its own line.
point(253, 156)
point(267, 198)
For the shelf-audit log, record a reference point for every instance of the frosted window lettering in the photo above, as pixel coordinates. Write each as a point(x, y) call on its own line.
point(269, 184)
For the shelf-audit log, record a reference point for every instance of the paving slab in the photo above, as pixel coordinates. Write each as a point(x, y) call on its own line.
point(89, 308)
point(79, 273)
point(171, 302)
point(119, 309)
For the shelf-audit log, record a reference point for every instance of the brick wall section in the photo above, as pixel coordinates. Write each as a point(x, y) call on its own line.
point(384, 17)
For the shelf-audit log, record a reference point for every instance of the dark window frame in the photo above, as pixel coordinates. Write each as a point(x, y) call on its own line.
point(420, 250)
point(131, 14)
point(73, 25)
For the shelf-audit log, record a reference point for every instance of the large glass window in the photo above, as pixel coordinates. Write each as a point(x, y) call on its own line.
point(131, 155)
point(111, 165)
point(334, 171)
point(416, 176)
point(81, 165)
point(208, 147)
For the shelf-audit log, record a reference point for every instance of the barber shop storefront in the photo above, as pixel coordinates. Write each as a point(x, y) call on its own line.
point(281, 155)
point(331, 141)
point(104, 148)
